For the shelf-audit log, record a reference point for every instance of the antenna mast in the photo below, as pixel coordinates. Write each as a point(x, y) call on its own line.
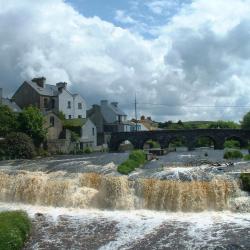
point(136, 118)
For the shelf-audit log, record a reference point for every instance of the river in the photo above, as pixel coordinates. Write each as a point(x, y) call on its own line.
point(82, 203)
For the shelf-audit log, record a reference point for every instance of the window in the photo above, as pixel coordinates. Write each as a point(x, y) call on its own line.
point(79, 105)
point(52, 121)
point(79, 116)
point(93, 131)
point(53, 103)
point(45, 100)
point(69, 116)
point(69, 104)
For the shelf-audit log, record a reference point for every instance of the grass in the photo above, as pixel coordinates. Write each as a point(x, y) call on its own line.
point(245, 179)
point(15, 227)
point(233, 154)
point(135, 160)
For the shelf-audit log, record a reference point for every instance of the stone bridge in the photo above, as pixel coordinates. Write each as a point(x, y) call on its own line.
point(164, 137)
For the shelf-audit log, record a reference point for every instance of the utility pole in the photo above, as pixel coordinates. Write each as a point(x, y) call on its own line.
point(136, 118)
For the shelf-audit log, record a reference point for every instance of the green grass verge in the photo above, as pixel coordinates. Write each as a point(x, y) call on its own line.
point(14, 229)
point(233, 154)
point(245, 179)
point(135, 160)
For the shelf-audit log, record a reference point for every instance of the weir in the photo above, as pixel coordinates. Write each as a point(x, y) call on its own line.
point(91, 190)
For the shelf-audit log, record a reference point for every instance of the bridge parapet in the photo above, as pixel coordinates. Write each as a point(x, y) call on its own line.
point(218, 136)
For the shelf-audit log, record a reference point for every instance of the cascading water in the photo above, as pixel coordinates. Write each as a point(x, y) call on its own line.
point(91, 190)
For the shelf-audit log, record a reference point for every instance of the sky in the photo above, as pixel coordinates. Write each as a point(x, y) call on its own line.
point(184, 59)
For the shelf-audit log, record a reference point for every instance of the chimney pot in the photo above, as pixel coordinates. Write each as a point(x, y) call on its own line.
point(39, 81)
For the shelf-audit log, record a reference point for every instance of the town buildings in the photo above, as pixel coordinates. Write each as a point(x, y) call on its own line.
point(57, 100)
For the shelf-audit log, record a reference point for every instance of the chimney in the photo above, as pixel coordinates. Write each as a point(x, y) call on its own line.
point(61, 85)
point(39, 81)
point(1, 95)
point(104, 102)
point(115, 104)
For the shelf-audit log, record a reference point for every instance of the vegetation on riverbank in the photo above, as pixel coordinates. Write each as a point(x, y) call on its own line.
point(233, 154)
point(15, 227)
point(135, 160)
point(245, 179)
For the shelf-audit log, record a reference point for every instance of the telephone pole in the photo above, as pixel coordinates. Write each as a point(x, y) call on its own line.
point(136, 118)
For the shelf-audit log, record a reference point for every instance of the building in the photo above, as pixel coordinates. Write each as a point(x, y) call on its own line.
point(48, 97)
point(9, 102)
point(85, 129)
point(108, 118)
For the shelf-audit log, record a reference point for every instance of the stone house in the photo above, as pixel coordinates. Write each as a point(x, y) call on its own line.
point(108, 118)
point(48, 97)
point(85, 129)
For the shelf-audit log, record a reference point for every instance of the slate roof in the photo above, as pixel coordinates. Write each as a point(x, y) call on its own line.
point(117, 110)
point(47, 90)
point(11, 104)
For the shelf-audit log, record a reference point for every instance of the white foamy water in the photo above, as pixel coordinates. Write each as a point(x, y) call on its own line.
point(142, 229)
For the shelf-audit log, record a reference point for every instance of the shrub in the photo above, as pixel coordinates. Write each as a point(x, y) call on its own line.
point(245, 179)
point(14, 229)
point(153, 144)
point(136, 158)
point(18, 146)
point(87, 150)
point(247, 157)
point(232, 144)
point(233, 154)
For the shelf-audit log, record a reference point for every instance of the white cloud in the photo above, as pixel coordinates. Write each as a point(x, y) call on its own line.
point(121, 17)
point(200, 57)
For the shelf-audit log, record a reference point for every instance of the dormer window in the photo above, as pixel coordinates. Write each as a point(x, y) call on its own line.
point(79, 105)
point(69, 105)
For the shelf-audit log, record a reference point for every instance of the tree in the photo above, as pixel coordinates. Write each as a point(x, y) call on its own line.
point(17, 146)
point(8, 120)
point(245, 124)
point(31, 122)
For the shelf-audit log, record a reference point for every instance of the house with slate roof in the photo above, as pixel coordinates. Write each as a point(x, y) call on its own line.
point(9, 102)
point(52, 99)
point(49, 97)
point(108, 118)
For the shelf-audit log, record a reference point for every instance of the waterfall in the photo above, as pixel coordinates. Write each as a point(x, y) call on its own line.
point(91, 190)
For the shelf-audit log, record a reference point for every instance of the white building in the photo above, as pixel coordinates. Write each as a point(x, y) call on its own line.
point(72, 105)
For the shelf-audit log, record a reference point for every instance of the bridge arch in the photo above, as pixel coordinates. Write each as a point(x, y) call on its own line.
point(125, 145)
point(177, 141)
point(241, 141)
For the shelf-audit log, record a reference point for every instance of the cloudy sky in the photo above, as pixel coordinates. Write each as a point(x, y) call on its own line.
point(193, 56)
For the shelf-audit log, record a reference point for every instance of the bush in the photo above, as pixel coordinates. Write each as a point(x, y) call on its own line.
point(136, 158)
point(247, 157)
point(14, 229)
point(18, 146)
point(245, 179)
point(233, 154)
point(232, 144)
point(153, 144)
point(87, 150)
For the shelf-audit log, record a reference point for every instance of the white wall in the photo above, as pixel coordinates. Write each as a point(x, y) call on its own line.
point(63, 98)
point(79, 112)
point(87, 133)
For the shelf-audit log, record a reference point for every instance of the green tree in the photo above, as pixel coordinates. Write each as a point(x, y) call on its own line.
point(224, 124)
point(245, 124)
point(31, 122)
point(8, 120)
